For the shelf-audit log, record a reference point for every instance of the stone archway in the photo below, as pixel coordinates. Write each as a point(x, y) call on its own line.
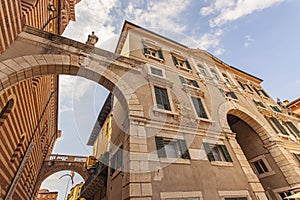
point(69, 58)
point(252, 140)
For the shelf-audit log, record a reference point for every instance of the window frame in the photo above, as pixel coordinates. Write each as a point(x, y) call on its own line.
point(225, 156)
point(263, 159)
point(150, 67)
point(208, 119)
point(147, 46)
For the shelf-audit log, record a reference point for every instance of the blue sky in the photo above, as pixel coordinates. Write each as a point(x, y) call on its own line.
point(260, 37)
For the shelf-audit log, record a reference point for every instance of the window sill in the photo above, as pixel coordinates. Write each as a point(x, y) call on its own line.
point(199, 119)
point(264, 97)
point(158, 111)
point(175, 160)
point(231, 99)
point(266, 174)
point(193, 90)
point(183, 68)
point(284, 136)
point(221, 163)
point(154, 58)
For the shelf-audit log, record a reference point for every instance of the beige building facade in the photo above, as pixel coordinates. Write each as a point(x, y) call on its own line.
point(209, 131)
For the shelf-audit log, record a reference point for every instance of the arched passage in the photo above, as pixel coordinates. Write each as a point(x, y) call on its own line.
point(249, 134)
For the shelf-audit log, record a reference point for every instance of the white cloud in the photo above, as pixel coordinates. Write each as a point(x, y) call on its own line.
point(230, 10)
point(248, 41)
point(91, 16)
point(164, 14)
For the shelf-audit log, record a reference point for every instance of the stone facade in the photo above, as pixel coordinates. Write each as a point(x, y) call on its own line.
point(29, 107)
point(182, 122)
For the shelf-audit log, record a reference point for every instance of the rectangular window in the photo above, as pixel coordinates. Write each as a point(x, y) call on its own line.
point(279, 126)
point(231, 95)
point(294, 129)
point(259, 103)
point(202, 70)
point(116, 160)
point(199, 108)
point(162, 99)
point(260, 166)
point(216, 152)
point(275, 108)
point(188, 82)
point(171, 148)
point(285, 194)
point(156, 71)
point(181, 62)
point(242, 85)
point(152, 52)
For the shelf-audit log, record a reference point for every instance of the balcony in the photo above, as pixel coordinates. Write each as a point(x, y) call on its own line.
point(97, 180)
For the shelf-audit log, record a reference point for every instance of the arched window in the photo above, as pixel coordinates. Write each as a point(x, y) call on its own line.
point(214, 74)
point(6, 110)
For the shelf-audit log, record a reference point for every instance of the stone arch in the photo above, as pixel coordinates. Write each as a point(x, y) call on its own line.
point(49, 168)
point(103, 72)
point(261, 129)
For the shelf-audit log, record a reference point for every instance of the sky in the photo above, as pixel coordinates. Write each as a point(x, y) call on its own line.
point(260, 37)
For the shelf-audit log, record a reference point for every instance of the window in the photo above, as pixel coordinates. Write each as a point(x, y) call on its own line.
point(226, 78)
point(261, 92)
point(276, 125)
point(231, 95)
point(216, 152)
point(182, 63)
point(259, 103)
point(260, 166)
point(188, 82)
point(6, 110)
point(162, 99)
point(242, 85)
point(152, 52)
point(292, 128)
point(275, 108)
point(214, 74)
point(202, 70)
point(171, 148)
point(156, 71)
point(116, 160)
point(285, 194)
point(200, 110)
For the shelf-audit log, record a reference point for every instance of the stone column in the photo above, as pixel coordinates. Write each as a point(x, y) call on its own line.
point(285, 161)
point(253, 181)
point(137, 181)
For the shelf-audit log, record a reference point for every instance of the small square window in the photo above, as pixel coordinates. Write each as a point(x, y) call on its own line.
point(153, 52)
point(260, 166)
point(189, 82)
point(156, 71)
point(182, 63)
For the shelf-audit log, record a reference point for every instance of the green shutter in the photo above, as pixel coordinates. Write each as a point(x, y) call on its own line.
point(174, 60)
point(195, 84)
point(268, 119)
point(188, 64)
point(241, 84)
point(208, 151)
point(248, 86)
point(261, 104)
point(225, 153)
point(184, 150)
point(257, 91)
point(158, 97)
point(281, 128)
point(160, 147)
point(232, 95)
point(199, 107)
point(294, 128)
point(182, 79)
point(160, 55)
point(264, 93)
point(165, 99)
point(145, 49)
